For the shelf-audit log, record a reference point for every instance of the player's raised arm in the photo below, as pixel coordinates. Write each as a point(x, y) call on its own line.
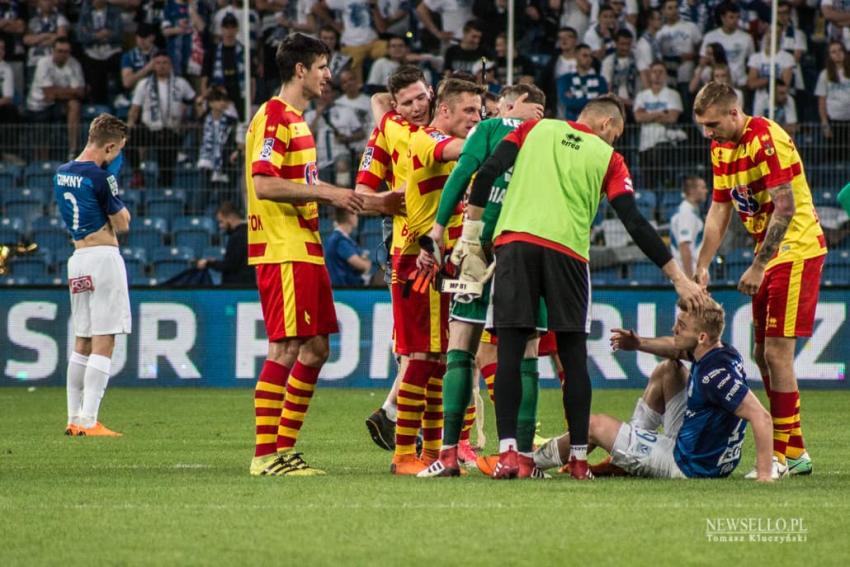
point(752, 410)
point(628, 340)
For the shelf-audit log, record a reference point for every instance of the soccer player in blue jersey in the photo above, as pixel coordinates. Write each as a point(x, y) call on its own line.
point(86, 192)
point(703, 414)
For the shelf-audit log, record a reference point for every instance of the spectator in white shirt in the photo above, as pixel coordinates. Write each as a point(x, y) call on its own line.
point(57, 90)
point(784, 108)
point(714, 55)
point(833, 92)
point(392, 17)
point(657, 109)
point(100, 31)
point(837, 13)
point(359, 103)
point(686, 225)
point(43, 29)
point(791, 39)
point(559, 65)
point(359, 37)
point(574, 14)
point(600, 37)
point(679, 41)
point(626, 12)
point(454, 14)
point(8, 111)
point(647, 48)
point(620, 71)
point(758, 65)
point(334, 127)
point(161, 102)
point(737, 43)
point(398, 53)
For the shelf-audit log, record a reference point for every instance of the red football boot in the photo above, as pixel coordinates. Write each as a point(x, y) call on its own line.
point(580, 470)
point(507, 467)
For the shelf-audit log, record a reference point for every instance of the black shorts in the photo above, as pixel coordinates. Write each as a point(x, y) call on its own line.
point(526, 272)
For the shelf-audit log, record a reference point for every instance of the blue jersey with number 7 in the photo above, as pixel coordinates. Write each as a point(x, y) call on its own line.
point(86, 195)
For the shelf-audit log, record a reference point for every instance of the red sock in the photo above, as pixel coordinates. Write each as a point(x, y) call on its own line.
point(488, 371)
point(783, 409)
point(268, 403)
point(411, 404)
point(468, 421)
point(432, 419)
point(299, 391)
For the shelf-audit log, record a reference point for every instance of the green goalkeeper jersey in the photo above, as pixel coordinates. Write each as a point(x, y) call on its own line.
point(481, 142)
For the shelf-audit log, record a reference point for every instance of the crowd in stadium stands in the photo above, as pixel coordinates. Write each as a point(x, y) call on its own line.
point(175, 70)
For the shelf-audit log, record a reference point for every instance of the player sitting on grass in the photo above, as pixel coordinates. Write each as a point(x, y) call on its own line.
point(703, 415)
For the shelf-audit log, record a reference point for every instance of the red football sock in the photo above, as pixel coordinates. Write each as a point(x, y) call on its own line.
point(268, 403)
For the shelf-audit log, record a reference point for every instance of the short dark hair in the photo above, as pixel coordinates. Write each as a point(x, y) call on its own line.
point(295, 49)
point(228, 209)
point(726, 8)
point(626, 33)
point(476, 25)
point(62, 39)
point(217, 93)
point(535, 95)
point(403, 77)
point(583, 46)
point(608, 104)
point(452, 88)
point(605, 7)
point(106, 128)
point(145, 30)
point(342, 215)
point(568, 29)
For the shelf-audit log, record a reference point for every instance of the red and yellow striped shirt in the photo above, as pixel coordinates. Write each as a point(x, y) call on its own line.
point(279, 144)
point(426, 175)
point(766, 157)
point(375, 164)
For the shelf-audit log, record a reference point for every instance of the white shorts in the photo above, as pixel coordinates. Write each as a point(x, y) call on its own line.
point(100, 301)
point(650, 453)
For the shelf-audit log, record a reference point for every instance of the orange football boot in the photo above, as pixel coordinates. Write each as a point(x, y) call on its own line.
point(97, 430)
point(408, 465)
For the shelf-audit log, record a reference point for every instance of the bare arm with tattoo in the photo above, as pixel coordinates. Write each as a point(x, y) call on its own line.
point(783, 211)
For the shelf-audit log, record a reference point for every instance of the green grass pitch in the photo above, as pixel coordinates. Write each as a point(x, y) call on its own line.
point(175, 490)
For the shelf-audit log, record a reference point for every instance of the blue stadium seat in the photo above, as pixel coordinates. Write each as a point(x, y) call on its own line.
point(29, 267)
point(213, 252)
point(165, 203)
point(187, 177)
point(52, 238)
point(135, 253)
point(836, 274)
point(193, 232)
point(11, 173)
point(11, 230)
point(173, 253)
point(825, 198)
point(150, 172)
point(135, 269)
point(607, 276)
point(39, 174)
point(168, 262)
point(15, 280)
point(91, 111)
point(26, 212)
point(646, 273)
point(739, 256)
point(150, 235)
point(132, 198)
point(8, 180)
point(48, 222)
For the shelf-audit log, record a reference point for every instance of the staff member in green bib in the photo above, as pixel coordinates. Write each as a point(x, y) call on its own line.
point(561, 170)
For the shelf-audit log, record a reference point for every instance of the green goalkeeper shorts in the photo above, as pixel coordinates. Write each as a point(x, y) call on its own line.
point(475, 312)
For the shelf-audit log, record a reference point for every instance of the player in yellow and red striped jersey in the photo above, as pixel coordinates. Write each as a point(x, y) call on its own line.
point(759, 173)
point(398, 113)
point(283, 193)
point(421, 319)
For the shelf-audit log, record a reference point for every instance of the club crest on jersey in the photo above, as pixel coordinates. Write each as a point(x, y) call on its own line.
point(744, 200)
point(311, 173)
point(81, 284)
point(368, 154)
point(266, 153)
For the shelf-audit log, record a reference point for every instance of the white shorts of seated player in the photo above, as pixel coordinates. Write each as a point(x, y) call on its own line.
point(642, 452)
point(100, 300)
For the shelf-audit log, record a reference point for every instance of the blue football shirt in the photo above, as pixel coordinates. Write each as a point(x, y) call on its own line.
point(86, 195)
point(709, 442)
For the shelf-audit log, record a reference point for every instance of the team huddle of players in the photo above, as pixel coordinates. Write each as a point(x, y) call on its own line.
point(503, 208)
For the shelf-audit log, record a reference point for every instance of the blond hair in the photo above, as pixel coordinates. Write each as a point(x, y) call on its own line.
point(710, 319)
point(450, 89)
point(714, 93)
point(105, 129)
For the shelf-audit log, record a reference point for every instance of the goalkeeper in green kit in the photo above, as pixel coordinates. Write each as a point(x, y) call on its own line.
point(561, 171)
point(468, 313)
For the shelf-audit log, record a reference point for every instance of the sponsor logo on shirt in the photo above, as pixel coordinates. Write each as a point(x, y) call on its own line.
point(439, 136)
point(266, 153)
point(113, 185)
point(311, 173)
point(571, 141)
point(744, 200)
point(81, 284)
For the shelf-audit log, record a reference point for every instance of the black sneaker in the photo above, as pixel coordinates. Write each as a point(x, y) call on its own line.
point(382, 429)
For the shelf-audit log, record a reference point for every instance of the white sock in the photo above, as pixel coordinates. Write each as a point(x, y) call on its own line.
point(391, 409)
point(444, 447)
point(74, 385)
point(645, 417)
point(96, 378)
point(579, 452)
point(508, 444)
